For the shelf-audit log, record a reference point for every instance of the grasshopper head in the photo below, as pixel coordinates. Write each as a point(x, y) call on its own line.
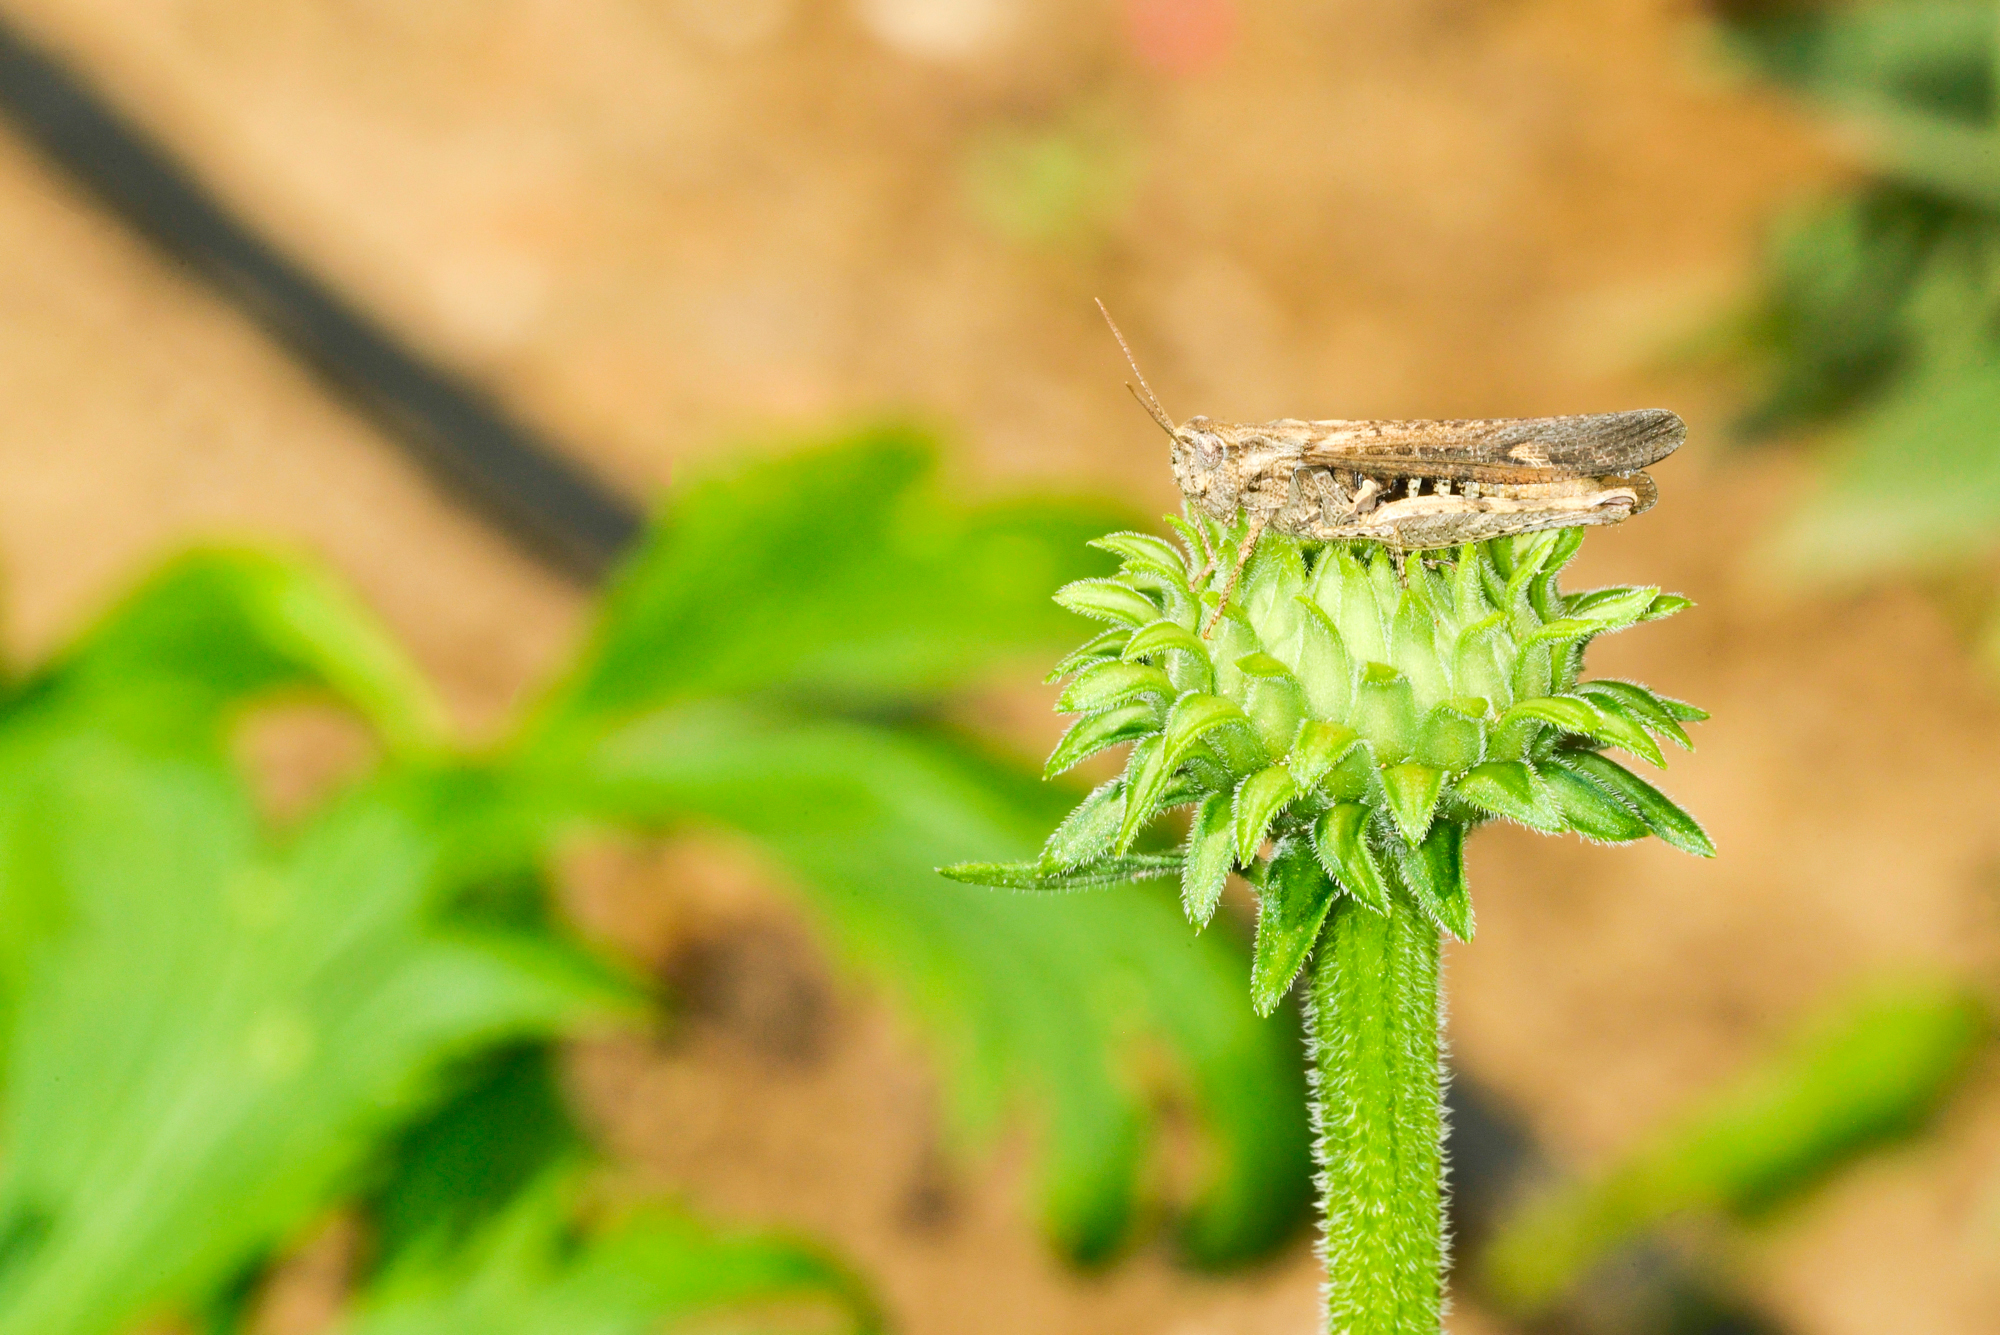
point(1198, 455)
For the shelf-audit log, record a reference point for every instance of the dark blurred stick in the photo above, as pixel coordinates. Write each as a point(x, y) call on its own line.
point(525, 485)
point(454, 429)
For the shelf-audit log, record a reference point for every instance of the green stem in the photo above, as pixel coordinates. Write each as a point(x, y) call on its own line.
point(1377, 1115)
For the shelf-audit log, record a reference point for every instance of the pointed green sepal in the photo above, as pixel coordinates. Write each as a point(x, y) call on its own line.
point(1261, 664)
point(1102, 685)
point(1353, 777)
point(1089, 830)
point(1211, 852)
point(1615, 729)
point(1147, 772)
point(1386, 711)
point(1612, 608)
point(1681, 709)
point(1087, 736)
point(1108, 600)
point(1434, 871)
point(1413, 791)
point(1639, 704)
point(1341, 840)
point(1565, 712)
point(1316, 748)
point(1041, 877)
point(1665, 606)
point(1591, 811)
point(1662, 816)
point(1095, 650)
point(1195, 716)
point(1160, 637)
point(1509, 788)
point(1259, 799)
point(1292, 906)
point(1452, 736)
point(1143, 549)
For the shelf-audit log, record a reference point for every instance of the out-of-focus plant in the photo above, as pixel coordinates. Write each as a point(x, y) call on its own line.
point(1880, 316)
point(212, 1031)
point(1347, 723)
point(1868, 1073)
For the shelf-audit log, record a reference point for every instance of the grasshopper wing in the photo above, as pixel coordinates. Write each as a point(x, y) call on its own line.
point(1495, 449)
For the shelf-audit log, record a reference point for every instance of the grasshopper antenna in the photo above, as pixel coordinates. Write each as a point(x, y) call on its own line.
point(1143, 392)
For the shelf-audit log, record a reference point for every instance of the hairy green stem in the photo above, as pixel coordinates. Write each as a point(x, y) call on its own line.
point(1378, 1118)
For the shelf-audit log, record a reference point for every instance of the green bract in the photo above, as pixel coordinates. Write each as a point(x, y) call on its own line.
point(1349, 711)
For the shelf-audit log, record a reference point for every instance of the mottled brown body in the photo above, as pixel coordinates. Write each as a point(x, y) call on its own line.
point(1415, 485)
point(1418, 485)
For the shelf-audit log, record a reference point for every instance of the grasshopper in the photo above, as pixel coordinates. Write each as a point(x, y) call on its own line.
point(1411, 486)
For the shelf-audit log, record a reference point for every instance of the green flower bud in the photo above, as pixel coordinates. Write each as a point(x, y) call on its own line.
point(1365, 710)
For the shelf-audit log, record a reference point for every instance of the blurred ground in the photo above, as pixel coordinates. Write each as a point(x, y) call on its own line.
point(661, 227)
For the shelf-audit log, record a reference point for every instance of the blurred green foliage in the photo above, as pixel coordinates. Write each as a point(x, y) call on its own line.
point(213, 1030)
point(1881, 310)
point(1869, 1072)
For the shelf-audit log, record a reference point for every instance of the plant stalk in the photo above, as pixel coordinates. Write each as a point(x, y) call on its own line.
point(1373, 1017)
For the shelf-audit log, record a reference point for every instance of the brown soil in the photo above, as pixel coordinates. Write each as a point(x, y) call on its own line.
point(656, 226)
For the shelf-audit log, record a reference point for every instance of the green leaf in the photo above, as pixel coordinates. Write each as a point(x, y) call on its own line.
point(1590, 810)
point(1107, 600)
point(1041, 876)
point(1021, 995)
point(1662, 817)
point(1292, 905)
point(1915, 486)
point(545, 1266)
point(1413, 792)
point(1098, 732)
point(1089, 831)
point(1509, 788)
point(502, 1122)
point(866, 583)
point(225, 626)
point(1211, 853)
point(208, 1034)
point(1434, 871)
point(1104, 685)
point(1341, 841)
point(1259, 799)
point(1869, 1072)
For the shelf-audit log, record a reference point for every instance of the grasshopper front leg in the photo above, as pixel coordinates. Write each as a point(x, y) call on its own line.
point(1258, 522)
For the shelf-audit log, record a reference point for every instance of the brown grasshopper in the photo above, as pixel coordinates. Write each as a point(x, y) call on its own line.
point(1411, 486)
